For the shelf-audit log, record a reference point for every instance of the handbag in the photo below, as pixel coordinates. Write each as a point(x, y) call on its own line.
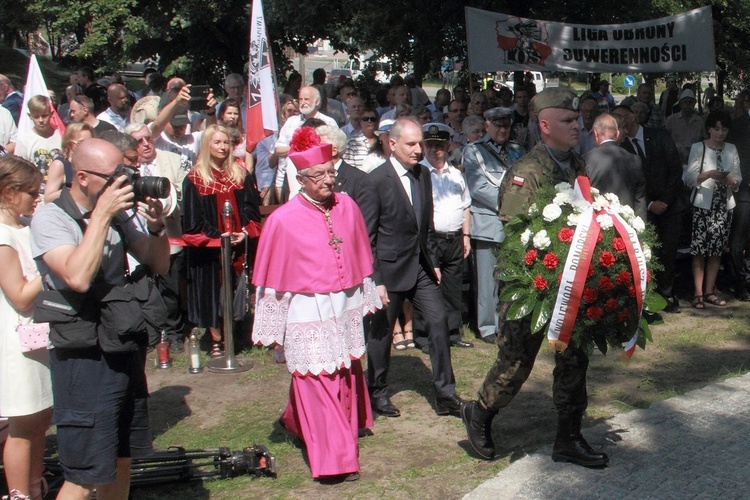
point(72, 318)
point(33, 336)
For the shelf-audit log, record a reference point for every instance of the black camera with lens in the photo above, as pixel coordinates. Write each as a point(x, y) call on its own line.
point(143, 186)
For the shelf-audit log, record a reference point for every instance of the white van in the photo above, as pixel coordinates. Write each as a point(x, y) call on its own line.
point(539, 82)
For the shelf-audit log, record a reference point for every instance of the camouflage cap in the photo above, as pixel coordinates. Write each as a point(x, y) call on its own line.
point(563, 98)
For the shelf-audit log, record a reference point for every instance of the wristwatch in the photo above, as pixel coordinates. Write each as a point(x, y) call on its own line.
point(161, 232)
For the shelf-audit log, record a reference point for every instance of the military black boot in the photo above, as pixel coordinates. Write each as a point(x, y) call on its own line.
point(478, 422)
point(570, 446)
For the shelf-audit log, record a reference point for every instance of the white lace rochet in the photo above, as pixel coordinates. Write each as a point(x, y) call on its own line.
point(320, 332)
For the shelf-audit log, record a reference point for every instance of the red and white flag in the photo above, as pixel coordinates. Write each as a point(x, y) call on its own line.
point(35, 86)
point(262, 103)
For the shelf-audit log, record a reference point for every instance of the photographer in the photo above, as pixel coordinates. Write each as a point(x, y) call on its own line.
point(99, 382)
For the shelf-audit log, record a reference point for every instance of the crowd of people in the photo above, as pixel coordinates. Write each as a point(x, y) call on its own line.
point(385, 199)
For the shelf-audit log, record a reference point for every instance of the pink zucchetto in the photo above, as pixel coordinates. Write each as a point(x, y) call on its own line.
point(305, 149)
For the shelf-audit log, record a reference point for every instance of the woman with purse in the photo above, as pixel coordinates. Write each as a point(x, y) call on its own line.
point(714, 174)
point(25, 386)
point(215, 179)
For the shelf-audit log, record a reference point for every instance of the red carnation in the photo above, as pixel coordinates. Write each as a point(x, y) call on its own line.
point(648, 276)
point(530, 257)
point(631, 290)
point(559, 279)
point(540, 283)
point(622, 316)
point(565, 235)
point(610, 305)
point(589, 295)
point(605, 284)
point(619, 245)
point(594, 313)
point(607, 259)
point(624, 278)
point(599, 238)
point(550, 261)
point(590, 272)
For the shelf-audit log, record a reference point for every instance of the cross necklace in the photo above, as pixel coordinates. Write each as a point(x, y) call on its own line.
point(335, 241)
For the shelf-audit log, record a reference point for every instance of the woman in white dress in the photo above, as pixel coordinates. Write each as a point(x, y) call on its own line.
point(25, 387)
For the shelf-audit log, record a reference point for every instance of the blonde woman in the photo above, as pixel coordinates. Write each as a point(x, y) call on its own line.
point(60, 170)
point(25, 385)
point(215, 179)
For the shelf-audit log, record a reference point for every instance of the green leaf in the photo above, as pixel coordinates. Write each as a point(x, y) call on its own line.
point(542, 313)
point(643, 325)
point(515, 292)
point(521, 308)
point(654, 302)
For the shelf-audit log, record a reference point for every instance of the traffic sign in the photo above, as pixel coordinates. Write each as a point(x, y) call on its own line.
point(629, 81)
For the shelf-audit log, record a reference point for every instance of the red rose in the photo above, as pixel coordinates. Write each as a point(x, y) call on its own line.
point(619, 245)
point(605, 284)
point(540, 283)
point(530, 257)
point(610, 305)
point(594, 313)
point(607, 259)
point(550, 261)
point(624, 278)
point(565, 235)
point(589, 295)
point(622, 316)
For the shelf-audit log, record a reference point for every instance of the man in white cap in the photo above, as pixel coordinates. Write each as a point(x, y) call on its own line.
point(685, 127)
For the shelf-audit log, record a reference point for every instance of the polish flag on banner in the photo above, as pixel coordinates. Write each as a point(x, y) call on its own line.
point(262, 107)
point(35, 86)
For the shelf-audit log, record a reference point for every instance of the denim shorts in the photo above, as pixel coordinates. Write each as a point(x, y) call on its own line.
point(100, 411)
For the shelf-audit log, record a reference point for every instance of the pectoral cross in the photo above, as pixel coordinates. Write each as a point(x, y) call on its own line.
point(334, 242)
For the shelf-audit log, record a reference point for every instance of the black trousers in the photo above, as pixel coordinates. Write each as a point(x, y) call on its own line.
point(169, 287)
point(668, 228)
point(517, 350)
point(426, 298)
point(739, 243)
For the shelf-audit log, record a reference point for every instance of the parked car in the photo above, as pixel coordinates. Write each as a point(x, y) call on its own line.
point(336, 75)
point(538, 78)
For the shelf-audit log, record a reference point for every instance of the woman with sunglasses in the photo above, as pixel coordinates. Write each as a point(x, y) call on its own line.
point(363, 142)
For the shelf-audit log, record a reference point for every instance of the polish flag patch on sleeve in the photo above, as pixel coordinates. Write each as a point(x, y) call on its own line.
point(517, 181)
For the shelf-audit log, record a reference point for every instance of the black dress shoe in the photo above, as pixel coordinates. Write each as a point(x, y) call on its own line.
point(490, 339)
point(462, 343)
point(449, 405)
point(673, 305)
point(478, 422)
point(383, 406)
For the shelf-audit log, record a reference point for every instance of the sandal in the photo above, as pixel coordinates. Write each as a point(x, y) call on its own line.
point(715, 301)
point(409, 339)
point(698, 302)
point(399, 345)
point(216, 350)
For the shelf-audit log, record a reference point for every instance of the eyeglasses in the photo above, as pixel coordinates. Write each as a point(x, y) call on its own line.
point(98, 174)
point(370, 119)
point(147, 139)
point(501, 124)
point(322, 175)
point(34, 193)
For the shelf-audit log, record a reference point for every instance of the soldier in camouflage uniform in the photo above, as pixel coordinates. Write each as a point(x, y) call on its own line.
point(550, 162)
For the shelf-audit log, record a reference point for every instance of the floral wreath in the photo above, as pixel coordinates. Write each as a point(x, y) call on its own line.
point(580, 269)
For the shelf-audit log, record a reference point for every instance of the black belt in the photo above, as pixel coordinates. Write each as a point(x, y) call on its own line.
point(448, 236)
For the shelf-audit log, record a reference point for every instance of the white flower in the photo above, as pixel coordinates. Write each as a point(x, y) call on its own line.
point(605, 221)
point(541, 240)
point(647, 252)
point(594, 191)
point(562, 198)
point(638, 224)
point(612, 198)
point(580, 205)
point(573, 219)
point(526, 236)
point(551, 212)
point(533, 210)
point(563, 186)
point(600, 202)
point(627, 213)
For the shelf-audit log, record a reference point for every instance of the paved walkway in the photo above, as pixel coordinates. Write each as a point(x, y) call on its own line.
point(692, 446)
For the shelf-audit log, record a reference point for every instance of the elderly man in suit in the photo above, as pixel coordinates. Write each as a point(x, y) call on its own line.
point(485, 163)
point(396, 202)
point(612, 169)
point(664, 194)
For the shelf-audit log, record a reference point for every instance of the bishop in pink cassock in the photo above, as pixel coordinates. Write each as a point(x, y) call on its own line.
point(312, 273)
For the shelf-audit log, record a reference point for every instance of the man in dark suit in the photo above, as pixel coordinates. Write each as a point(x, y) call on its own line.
point(739, 239)
point(396, 202)
point(664, 194)
point(612, 169)
point(347, 176)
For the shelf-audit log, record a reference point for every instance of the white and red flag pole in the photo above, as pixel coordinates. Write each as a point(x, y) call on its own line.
point(262, 102)
point(35, 86)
